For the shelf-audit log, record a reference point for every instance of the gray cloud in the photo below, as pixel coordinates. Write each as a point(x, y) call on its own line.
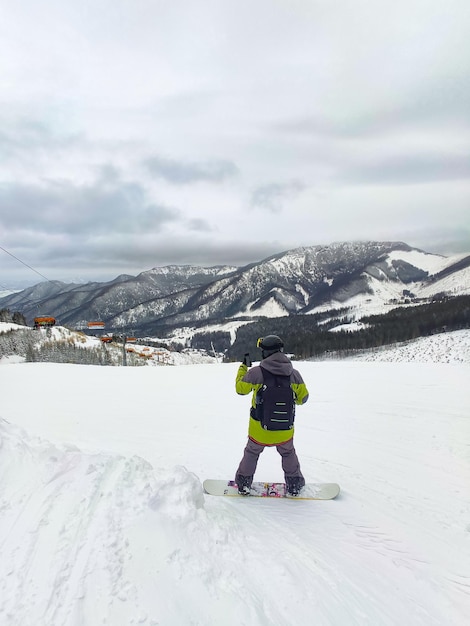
point(199, 225)
point(274, 196)
point(408, 169)
point(151, 252)
point(96, 258)
point(446, 240)
point(22, 137)
point(437, 105)
point(62, 207)
point(180, 173)
point(350, 121)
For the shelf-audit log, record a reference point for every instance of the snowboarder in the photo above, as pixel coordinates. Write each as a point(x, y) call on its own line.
point(275, 365)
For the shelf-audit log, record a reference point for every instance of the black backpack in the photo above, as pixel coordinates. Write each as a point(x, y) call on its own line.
point(275, 407)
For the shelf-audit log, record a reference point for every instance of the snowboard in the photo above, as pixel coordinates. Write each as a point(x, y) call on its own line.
point(311, 491)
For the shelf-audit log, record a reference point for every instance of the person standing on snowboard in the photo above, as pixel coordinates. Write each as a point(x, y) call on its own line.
point(275, 363)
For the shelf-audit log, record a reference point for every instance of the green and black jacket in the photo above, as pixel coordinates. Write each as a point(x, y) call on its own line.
point(252, 379)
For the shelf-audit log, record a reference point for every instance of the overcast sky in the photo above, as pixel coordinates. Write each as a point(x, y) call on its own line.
point(138, 133)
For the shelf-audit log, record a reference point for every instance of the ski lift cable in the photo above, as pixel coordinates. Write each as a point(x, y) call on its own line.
point(26, 265)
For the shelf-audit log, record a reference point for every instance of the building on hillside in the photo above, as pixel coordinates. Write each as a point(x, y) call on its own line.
point(44, 322)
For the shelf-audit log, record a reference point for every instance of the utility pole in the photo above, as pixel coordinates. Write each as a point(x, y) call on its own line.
point(124, 355)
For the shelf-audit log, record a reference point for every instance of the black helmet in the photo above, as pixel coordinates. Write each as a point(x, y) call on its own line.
point(270, 344)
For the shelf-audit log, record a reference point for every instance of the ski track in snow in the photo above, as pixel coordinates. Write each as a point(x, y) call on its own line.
point(95, 534)
point(62, 513)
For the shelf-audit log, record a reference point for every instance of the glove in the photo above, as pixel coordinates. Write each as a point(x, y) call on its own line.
point(247, 360)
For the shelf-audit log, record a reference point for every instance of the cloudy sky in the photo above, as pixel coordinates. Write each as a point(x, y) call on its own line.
point(138, 133)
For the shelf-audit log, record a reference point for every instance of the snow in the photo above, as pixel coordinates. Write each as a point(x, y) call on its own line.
point(456, 284)
point(386, 294)
point(362, 304)
point(150, 355)
point(271, 308)
point(431, 263)
point(451, 347)
point(350, 327)
point(103, 519)
point(185, 334)
point(6, 327)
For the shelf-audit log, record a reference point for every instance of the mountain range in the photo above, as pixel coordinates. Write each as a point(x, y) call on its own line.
point(367, 277)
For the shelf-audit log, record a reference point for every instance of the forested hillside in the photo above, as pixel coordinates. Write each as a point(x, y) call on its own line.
point(307, 336)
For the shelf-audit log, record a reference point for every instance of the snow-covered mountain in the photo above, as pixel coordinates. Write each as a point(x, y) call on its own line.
point(6, 292)
point(367, 275)
point(399, 278)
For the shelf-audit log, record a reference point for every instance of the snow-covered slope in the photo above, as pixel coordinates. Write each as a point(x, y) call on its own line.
point(451, 347)
point(7, 292)
point(399, 277)
point(103, 520)
point(136, 353)
point(454, 284)
point(7, 326)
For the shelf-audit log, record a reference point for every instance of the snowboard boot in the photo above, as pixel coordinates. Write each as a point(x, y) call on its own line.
point(294, 485)
point(243, 484)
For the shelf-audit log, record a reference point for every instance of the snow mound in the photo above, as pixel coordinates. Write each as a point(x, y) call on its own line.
point(96, 538)
point(66, 520)
point(178, 495)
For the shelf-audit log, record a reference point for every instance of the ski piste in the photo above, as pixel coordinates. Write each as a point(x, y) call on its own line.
point(311, 491)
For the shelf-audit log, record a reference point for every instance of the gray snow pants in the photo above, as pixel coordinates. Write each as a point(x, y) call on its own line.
point(290, 462)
